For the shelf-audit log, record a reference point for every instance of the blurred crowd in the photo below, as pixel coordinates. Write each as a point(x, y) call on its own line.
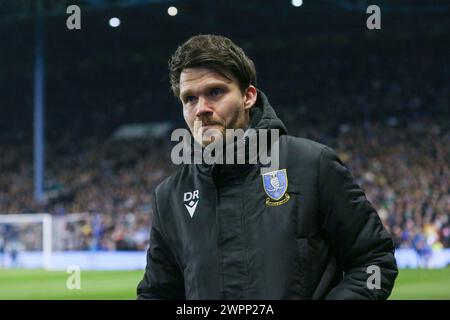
point(405, 172)
point(107, 185)
point(404, 168)
point(387, 113)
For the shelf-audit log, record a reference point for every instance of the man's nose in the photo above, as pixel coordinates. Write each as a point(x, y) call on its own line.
point(203, 108)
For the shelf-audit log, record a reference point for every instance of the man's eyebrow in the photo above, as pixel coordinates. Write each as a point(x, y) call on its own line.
point(185, 93)
point(205, 87)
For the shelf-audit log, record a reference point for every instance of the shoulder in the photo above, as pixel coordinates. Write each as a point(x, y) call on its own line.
point(302, 149)
point(303, 143)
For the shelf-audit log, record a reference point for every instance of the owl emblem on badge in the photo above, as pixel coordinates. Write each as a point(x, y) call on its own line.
point(275, 185)
point(274, 182)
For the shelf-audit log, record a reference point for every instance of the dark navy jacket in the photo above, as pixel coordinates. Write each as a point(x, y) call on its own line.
point(317, 245)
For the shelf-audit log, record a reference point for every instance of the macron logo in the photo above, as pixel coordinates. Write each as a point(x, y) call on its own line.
point(191, 204)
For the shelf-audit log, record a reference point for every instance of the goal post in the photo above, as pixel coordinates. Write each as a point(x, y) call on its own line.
point(42, 218)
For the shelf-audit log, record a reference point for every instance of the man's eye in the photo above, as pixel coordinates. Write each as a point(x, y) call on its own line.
point(189, 99)
point(216, 91)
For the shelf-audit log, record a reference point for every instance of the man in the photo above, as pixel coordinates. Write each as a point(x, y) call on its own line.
point(230, 231)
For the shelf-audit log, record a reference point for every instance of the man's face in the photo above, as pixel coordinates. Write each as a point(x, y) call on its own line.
point(213, 103)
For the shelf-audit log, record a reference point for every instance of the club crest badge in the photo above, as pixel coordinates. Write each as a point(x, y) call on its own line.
point(275, 185)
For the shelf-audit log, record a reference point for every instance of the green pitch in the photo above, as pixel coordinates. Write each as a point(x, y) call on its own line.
point(421, 284)
point(39, 284)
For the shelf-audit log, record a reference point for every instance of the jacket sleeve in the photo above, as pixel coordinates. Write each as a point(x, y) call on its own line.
point(163, 278)
point(355, 233)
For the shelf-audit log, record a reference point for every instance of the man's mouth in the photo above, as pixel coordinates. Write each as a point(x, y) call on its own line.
point(208, 125)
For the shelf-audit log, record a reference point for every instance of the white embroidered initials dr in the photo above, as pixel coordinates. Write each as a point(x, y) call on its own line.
point(191, 201)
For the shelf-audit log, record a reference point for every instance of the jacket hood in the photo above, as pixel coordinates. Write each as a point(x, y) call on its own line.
point(263, 116)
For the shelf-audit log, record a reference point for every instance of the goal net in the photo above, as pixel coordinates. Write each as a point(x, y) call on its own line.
point(25, 232)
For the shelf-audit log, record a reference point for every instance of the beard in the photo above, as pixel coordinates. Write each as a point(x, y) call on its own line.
point(209, 130)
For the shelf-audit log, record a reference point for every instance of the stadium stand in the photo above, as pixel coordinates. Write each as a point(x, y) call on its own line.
point(389, 122)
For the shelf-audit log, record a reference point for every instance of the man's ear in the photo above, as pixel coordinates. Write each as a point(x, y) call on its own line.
point(250, 96)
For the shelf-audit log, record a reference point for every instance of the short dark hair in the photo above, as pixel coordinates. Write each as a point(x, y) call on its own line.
point(217, 53)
